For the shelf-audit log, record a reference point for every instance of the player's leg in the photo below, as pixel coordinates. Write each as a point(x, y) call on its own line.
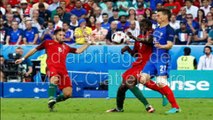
point(67, 93)
point(52, 91)
point(162, 69)
point(131, 84)
point(162, 83)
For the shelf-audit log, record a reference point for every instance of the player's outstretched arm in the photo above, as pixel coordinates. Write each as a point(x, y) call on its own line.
point(83, 48)
point(26, 56)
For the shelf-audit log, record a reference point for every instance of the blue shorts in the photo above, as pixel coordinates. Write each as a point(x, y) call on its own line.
point(156, 69)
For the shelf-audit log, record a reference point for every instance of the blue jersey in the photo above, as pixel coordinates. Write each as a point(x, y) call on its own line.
point(162, 35)
point(158, 65)
point(30, 34)
point(14, 35)
point(79, 12)
point(69, 34)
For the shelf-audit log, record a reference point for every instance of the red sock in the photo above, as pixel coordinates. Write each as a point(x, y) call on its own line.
point(170, 96)
point(152, 85)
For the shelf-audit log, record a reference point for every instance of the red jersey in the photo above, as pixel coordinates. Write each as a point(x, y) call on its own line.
point(56, 53)
point(144, 51)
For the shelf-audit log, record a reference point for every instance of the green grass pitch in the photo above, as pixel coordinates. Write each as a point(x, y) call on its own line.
point(94, 109)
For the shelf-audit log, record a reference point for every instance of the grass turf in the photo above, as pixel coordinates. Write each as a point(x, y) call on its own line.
point(94, 109)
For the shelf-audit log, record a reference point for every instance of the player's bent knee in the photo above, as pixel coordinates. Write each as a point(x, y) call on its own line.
point(54, 80)
point(67, 92)
point(161, 81)
point(131, 82)
point(144, 78)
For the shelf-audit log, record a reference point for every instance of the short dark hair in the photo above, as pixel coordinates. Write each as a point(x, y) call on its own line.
point(208, 47)
point(59, 8)
point(187, 51)
point(19, 48)
point(1, 56)
point(189, 1)
point(58, 30)
point(147, 22)
point(165, 12)
point(105, 14)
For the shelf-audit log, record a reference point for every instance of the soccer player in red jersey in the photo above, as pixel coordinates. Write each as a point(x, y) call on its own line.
point(142, 50)
point(57, 51)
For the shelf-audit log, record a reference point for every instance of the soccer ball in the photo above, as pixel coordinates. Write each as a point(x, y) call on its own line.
point(119, 37)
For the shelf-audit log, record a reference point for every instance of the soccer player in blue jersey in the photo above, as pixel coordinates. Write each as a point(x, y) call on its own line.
point(159, 61)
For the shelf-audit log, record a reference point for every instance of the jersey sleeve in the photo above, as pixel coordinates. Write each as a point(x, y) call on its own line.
point(170, 34)
point(72, 50)
point(41, 46)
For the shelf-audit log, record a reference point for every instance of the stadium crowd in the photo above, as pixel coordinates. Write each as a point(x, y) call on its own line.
point(30, 22)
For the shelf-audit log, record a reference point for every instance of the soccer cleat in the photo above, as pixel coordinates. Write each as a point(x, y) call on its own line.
point(115, 110)
point(51, 104)
point(165, 100)
point(173, 110)
point(150, 109)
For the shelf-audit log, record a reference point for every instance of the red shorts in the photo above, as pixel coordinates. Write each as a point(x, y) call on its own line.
point(133, 71)
point(62, 74)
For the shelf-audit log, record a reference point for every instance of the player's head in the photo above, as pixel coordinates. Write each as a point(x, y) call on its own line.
point(207, 50)
point(187, 51)
point(59, 35)
point(1, 59)
point(163, 15)
point(145, 24)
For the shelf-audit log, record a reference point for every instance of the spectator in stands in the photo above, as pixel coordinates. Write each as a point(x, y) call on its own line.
point(200, 16)
point(183, 36)
point(89, 6)
point(205, 6)
point(48, 32)
point(16, 15)
point(9, 19)
point(57, 21)
point(148, 13)
point(141, 9)
point(15, 35)
point(210, 38)
point(182, 15)
point(206, 61)
point(105, 24)
point(201, 35)
point(91, 22)
point(174, 23)
point(64, 16)
point(113, 29)
point(191, 9)
point(109, 9)
point(79, 11)
point(8, 9)
point(133, 30)
point(71, 5)
point(35, 6)
point(123, 24)
point(173, 5)
point(27, 64)
point(209, 18)
point(69, 38)
point(211, 9)
point(82, 33)
point(43, 66)
point(2, 67)
point(63, 6)
point(191, 24)
point(139, 18)
point(37, 21)
point(115, 16)
point(54, 5)
point(30, 34)
point(44, 13)
point(73, 22)
point(123, 6)
point(25, 10)
point(186, 61)
point(97, 13)
point(2, 9)
point(131, 14)
point(3, 31)
point(153, 4)
point(99, 34)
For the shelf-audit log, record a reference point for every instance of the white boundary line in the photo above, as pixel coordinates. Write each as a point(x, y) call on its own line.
point(82, 72)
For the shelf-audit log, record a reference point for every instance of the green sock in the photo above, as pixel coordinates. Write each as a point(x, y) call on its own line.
point(121, 97)
point(60, 98)
point(52, 91)
point(136, 91)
